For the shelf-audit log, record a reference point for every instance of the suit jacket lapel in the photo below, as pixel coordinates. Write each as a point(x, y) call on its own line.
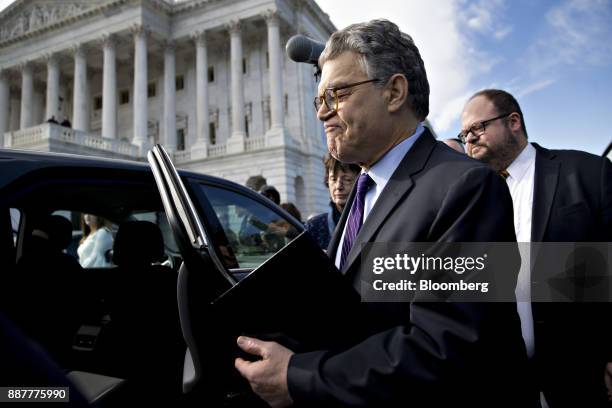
point(545, 187)
point(397, 187)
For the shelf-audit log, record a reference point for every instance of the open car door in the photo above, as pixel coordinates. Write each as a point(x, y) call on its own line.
point(296, 297)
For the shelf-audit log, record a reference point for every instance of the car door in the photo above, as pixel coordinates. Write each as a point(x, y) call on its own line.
point(291, 293)
point(214, 259)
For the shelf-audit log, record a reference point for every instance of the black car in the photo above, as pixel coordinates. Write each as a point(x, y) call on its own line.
point(116, 327)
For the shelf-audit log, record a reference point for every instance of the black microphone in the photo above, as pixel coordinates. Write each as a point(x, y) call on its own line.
point(303, 49)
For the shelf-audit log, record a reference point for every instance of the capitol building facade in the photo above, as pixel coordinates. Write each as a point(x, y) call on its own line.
point(208, 79)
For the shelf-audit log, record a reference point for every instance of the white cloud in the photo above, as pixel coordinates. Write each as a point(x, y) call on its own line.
point(450, 111)
point(484, 17)
point(502, 33)
point(578, 32)
point(533, 87)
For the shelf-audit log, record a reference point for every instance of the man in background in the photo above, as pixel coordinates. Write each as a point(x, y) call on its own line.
point(558, 196)
point(455, 144)
point(271, 193)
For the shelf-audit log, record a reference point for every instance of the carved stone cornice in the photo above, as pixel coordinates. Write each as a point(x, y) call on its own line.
point(190, 6)
point(25, 21)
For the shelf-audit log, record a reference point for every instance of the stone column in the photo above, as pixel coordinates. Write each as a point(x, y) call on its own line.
point(5, 103)
point(276, 75)
point(200, 148)
point(80, 113)
point(27, 94)
point(169, 96)
point(276, 135)
point(109, 88)
point(235, 143)
point(140, 89)
point(53, 82)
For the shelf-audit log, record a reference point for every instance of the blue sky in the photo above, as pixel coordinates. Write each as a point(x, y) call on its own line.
point(554, 56)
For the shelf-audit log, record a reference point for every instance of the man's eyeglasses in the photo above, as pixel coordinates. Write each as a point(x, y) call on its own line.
point(330, 96)
point(478, 128)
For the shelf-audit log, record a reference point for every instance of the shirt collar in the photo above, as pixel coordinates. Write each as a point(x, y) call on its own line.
point(382, 171)
point(523, 161)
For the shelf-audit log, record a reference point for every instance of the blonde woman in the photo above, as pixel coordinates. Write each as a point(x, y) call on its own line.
point(97, 240)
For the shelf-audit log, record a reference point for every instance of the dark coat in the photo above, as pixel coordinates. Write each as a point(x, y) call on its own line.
point(572, 203)
point(426, 353)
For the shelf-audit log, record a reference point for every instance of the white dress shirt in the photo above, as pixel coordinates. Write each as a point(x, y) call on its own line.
point(381, 173)
point(521, 182)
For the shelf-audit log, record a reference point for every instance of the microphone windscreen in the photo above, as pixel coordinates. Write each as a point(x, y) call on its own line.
point(300, 48)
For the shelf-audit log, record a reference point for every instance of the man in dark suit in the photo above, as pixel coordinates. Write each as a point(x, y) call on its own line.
point(374, 95)
point(559, 196)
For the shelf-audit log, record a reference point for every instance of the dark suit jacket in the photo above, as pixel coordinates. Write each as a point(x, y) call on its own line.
point(425, 353)
point(572, 203)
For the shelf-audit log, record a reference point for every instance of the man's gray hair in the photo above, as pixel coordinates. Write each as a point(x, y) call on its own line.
point(384, 51)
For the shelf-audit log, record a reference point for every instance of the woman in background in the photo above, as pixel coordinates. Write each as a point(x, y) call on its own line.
point(339, 179)
point(97, 240)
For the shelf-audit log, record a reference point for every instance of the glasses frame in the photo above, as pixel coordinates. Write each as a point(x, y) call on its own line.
point(332, 92)
point(340, 180)
point(474, 128)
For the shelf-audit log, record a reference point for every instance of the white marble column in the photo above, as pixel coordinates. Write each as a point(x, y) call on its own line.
point(53, 83)
point(27, 95)
point(169, 96)
point(109, 88)
point(140, 89)
point(5, 103)
point(80, 112)
point(236, 140)
point(276, 135)
point(200, 148)
point(276, 75)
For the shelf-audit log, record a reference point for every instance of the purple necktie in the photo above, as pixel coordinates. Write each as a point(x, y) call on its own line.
point(353, 224)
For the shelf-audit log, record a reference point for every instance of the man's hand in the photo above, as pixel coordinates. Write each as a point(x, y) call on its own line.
point(268, 376)
point(608, 379)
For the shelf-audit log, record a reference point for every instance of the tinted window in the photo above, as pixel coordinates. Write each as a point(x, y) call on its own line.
point(254, 231)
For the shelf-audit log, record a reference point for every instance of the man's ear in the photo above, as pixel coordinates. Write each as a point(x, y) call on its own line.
point(396, 92)
point(514, 122)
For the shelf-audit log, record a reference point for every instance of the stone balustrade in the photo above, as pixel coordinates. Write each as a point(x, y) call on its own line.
point(255, 143)
point(37, 137)
point(45, 133)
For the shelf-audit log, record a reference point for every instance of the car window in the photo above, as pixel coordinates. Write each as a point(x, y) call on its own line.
point(254, 231)
point(173, 256)
point(95, 251)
